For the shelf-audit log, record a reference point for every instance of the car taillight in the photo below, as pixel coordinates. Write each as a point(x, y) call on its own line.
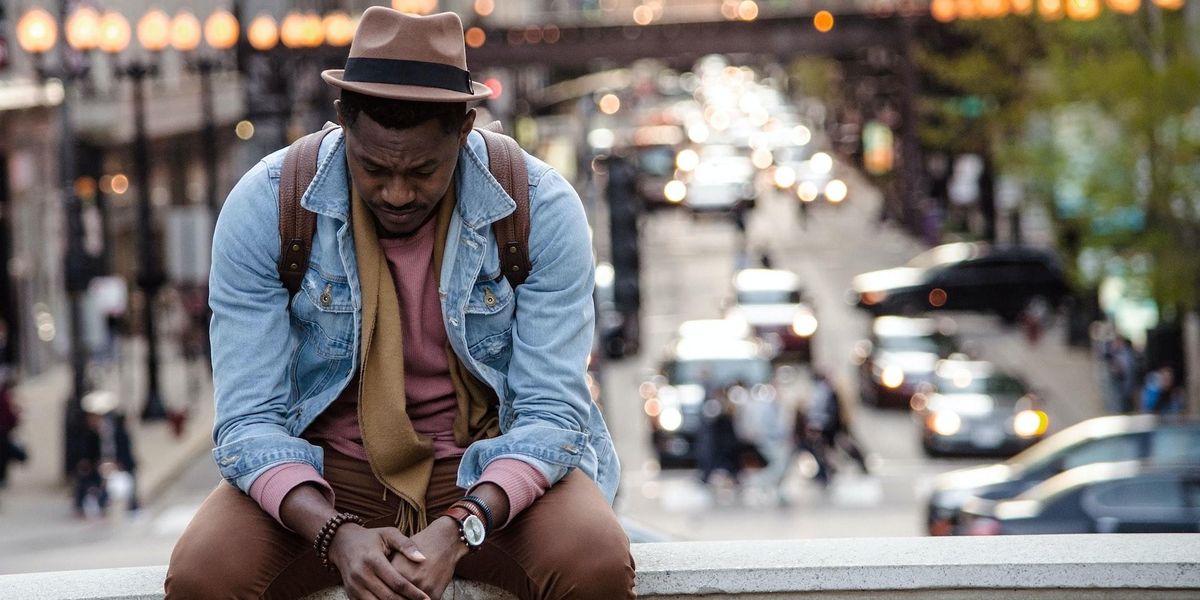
point(983, 526)
point(941, 527)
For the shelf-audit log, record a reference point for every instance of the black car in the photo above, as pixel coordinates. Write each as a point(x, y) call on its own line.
point(1104, 439)
point(1121, 497)
point(900, 356)
point(973, 408)
point(965, 276)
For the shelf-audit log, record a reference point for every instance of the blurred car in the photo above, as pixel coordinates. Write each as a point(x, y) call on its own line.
point(694, 366)
point(772, 303)
point(654, 156)
point(971, 276)
point(899, 356)
point(1120, 497)
point(971, 408)
point(715, 329)
point(1103, 439)
point(723, 179)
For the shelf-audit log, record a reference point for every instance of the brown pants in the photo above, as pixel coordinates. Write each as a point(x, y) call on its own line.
point(568, 544)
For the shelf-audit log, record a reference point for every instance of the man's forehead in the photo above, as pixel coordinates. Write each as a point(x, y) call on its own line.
point(371, 142)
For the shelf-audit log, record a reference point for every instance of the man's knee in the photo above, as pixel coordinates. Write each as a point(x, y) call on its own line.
point(189, 578)
point(601, 567)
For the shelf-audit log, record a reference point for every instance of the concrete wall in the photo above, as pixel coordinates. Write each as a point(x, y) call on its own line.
point(1043, 567)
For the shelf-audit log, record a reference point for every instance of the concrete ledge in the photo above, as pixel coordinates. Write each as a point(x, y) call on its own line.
point(1069, 566)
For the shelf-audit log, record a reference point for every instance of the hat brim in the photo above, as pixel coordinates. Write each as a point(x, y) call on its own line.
point(418, 93)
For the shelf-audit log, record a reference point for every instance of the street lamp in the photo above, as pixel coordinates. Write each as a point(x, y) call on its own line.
point(37, 34)
point(221, 33)
point(153, 31)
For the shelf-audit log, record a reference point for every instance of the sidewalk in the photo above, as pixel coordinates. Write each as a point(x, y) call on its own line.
point(36, 507)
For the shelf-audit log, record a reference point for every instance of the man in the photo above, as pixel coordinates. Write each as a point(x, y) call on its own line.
point(355, 417)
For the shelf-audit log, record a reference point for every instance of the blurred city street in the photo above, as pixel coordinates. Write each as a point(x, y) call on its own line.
point(686, 264)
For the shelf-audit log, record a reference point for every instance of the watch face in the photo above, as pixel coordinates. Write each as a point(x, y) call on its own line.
point(473, 530)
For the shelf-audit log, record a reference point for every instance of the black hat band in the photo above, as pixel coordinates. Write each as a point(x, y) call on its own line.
point(407, 72)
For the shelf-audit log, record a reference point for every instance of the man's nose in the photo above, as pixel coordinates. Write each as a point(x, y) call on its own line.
point(398, 192)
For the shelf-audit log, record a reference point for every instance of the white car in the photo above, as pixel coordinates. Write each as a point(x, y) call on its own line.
point(771, 301)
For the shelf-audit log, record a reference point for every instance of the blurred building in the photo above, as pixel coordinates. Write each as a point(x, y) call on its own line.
point(99, 91)
point(31, 265)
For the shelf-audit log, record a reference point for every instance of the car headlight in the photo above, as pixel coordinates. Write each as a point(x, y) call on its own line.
point(944, 422)
point(892, 376)
point(804, 325)
point(1030, 423)
point(670, 419)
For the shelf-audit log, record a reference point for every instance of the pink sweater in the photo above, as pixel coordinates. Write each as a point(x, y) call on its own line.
point(429, 391)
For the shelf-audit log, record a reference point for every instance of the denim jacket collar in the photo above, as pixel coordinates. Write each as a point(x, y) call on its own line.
point(329, 193)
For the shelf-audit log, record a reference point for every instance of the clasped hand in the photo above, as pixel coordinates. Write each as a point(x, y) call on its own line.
point(383, 564)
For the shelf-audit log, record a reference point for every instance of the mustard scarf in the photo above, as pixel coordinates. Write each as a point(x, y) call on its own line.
point(401, 458)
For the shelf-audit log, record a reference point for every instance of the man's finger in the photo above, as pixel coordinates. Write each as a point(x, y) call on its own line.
point(389, 584)
point(398, 542)
point(397, 582)
point(380, 590)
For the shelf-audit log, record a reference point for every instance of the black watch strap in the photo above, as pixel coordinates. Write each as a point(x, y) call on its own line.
point(488, 521)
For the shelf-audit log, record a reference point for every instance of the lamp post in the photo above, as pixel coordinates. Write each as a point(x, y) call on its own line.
point(37, 34)
point(221, 33)
point(153, 32)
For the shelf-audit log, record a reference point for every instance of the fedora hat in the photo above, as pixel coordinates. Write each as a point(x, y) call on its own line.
point(407, 57)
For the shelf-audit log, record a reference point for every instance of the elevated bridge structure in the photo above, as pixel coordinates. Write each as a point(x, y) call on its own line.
point(560, 41)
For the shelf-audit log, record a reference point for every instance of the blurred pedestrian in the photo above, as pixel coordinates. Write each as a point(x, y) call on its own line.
point(1120, 363)
point(107, 470)
point(762, 424)
point(90, 493)
point(723, 448)
point(1161, 393)
point(828, 429)
point(764, 259)
point(10, 450)
point(4, 358)
point(1033, 319)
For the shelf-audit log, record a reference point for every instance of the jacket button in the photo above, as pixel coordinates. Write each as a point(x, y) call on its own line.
point(295, 247)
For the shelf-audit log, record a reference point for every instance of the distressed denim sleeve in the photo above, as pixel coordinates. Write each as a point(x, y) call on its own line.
point(250, 337)
point(551, 339)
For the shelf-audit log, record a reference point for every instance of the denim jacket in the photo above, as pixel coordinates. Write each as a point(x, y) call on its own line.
point(275, 370)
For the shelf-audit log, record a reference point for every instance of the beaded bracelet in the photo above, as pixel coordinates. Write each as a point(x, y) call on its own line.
point(483, 508)
point(324, 537)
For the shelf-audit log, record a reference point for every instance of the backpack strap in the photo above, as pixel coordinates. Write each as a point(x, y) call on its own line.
point(506, 161)
point(296, 223)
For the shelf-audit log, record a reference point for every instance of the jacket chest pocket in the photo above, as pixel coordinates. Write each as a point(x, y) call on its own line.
point(489, 316)
point(324, 312)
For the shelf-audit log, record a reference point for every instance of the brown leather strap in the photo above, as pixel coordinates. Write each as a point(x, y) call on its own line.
point(296, 223)
point(506, 161)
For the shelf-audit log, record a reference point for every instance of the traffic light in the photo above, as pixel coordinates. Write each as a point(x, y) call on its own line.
point(623, 211)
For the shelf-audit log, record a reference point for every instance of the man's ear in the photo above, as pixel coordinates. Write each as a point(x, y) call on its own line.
point(337, 109)
point(467, 126)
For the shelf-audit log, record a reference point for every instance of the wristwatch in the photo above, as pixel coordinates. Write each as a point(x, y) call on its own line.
point(470, 527)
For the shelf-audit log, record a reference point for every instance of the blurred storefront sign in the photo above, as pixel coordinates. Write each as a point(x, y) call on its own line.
point(878, 148)
point(189, 231)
